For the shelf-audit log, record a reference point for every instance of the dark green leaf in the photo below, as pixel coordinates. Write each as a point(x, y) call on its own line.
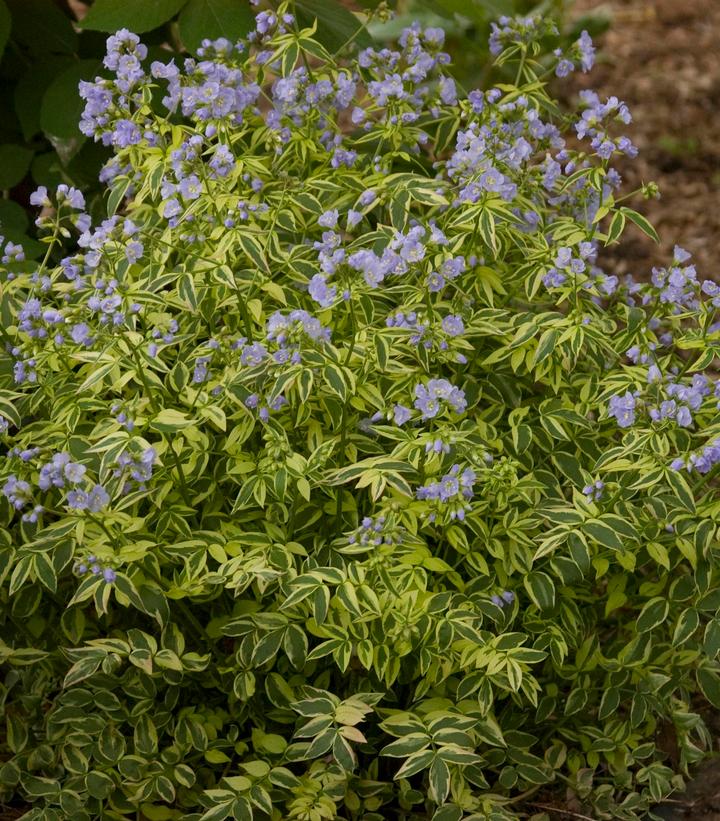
point(31, 87)
point(14, 164)
point(603, 533)
point(5, 26)
point(709, 681)
point(653, 613)
point(136, 15)
point(335, 24)
point(616, 227)
point(62, 105)
point(13, 217)
point(41, 27)
point(211, 19)
point(99, 784)
point(541, 589)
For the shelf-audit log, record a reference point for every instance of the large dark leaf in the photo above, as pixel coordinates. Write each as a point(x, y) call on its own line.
point(14, 163)
point(41, 27)
point(32, 86)
point(335, 24)
point(214, 18)
point(5, 25)
point(62, 105)
point(136, 15)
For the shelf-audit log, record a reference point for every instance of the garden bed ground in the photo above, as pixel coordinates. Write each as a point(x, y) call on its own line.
point(663, 58)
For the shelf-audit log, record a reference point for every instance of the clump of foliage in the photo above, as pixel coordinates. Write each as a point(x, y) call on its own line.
point(48, 46)
point(339, 480)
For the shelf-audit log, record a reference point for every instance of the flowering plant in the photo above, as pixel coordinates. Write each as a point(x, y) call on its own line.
point(339, 479)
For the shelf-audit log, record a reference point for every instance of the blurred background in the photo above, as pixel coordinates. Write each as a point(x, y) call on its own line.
point(661, 56)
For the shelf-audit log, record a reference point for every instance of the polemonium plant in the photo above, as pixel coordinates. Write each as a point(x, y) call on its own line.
point(340, 479)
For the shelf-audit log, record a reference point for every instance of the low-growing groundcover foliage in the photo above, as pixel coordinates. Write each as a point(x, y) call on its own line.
point(339, 480)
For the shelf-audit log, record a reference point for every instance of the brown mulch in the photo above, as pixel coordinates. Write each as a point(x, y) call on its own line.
point(662, 57)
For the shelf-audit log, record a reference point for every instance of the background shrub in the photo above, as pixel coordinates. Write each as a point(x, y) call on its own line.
point(340, 480)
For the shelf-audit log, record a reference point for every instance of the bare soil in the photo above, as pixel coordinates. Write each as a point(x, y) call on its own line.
point(662, 57)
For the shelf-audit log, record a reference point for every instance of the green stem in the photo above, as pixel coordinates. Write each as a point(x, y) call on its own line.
point(343, 423)
point(155, 407)
point(182, 605)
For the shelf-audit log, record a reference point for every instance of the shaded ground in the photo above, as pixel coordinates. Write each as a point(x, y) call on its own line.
point(663, 58)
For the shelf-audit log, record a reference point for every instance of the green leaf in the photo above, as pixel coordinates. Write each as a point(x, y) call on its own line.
point(62, 106)
point(617, 225)
point(439, 778)
point(295, 645)
point(219, 812)
point(546, 346)
point(45, 571)
point(335, 24)
point(99, 784)
point(41, 27)
point(609, 703)
point(171, 420)
point(13, 217)
point(5, 26)
point(211, 19)
point(653, 613)
point(450, 812)
point(14, 164)
point(145, 736)
point(603, 533)
point(333, 376)
point(541, 589)
point(711, 639)
point(681, 489)
point(254, 251)
point(136, 15)
point(405, 746)
point(31, 87)
point(415, 763)
point(118, 189)
point(576, 701)
point(687, 623)
point(642, 223)
point(709, 681)
point(37, 786)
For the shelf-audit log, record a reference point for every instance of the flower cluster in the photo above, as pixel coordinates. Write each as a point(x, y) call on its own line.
point(437, 395)
point(567, 264)
point(703, 461)
point(677, 286)
point(135, 472)
point(429, 334)
point(518, 31)
point(450, 494)
point(95, 567)
point(286, 334)
point(622, 408)
point(506, 597)
point(594, 491)
point(592, 124)
point(582, 52)
point(374, 532)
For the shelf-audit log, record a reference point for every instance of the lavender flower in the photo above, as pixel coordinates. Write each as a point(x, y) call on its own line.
point(623, 409)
